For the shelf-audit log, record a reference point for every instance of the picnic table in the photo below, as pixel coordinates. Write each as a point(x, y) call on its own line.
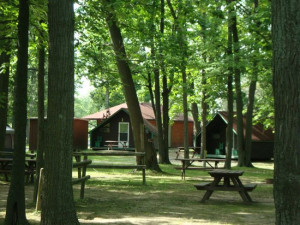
point(226, 180)
point(196, 150)
point(6, 167)
point(112, 143)
point(186, 163)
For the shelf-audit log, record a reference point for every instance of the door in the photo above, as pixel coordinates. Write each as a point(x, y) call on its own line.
point(123, 134)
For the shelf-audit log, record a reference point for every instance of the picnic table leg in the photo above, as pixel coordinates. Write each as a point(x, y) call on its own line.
point(244, 194)
point(208, 193)
point(183, 171)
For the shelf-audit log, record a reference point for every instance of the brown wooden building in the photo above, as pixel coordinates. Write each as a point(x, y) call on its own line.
point(117, 127)
point(80, 133)
point(176, 136)
point(262, 140)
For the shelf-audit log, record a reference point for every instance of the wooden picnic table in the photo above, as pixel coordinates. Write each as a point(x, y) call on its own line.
point(112, 143)
point(226, 180)
point(6, 167)
point(186, 163)
point(196, 150)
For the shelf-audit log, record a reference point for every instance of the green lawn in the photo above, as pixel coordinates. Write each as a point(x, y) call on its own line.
point(118, 197)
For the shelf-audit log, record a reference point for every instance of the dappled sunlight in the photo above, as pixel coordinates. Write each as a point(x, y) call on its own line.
point(119, 197)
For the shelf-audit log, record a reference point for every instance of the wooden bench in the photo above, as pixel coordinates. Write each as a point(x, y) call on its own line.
point(82, 177)
point(112, 153)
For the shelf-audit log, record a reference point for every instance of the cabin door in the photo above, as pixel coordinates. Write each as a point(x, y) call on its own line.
point(123, 134)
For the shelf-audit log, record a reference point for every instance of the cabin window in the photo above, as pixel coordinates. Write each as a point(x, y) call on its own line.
point(123, 134)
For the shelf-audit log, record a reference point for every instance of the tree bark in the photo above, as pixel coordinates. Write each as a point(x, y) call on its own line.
point(239, 100)
point(58, 204)
point(203, 116)
point(15, 207)
point(251, 98)
point(129, 89)
point(229, 129)
point(195, 113)
point(41, 115)
point(165, 97)
point(286, 82)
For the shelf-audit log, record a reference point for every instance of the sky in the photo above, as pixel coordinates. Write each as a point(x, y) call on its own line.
point(84, 88)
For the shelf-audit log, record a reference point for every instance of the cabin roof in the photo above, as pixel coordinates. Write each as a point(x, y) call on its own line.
point(146, 110)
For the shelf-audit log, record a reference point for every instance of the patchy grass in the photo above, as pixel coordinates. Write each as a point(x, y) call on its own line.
point(118, 197)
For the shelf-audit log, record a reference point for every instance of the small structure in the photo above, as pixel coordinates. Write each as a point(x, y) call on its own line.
point(176, 136)
point(80, 133)
point(262, 140)
point(117, 127)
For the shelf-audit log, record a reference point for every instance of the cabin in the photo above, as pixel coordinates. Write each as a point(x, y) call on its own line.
point(80, 134)
point(176, 136)
point(117, 127)
point(262, 139)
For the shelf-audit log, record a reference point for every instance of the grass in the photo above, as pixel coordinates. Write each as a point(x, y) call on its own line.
point(118, 197)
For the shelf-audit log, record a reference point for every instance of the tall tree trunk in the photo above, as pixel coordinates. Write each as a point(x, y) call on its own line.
point(137, 123)
point(203, 116)
point(251, 98)
point(4, 83)
point(239, 100)
point(165, 98)
point(286, 83)
point(58, 203)
point(15, 208)
point(41, 115)
point(229, 129)
point(166, 118)
point(157, 101)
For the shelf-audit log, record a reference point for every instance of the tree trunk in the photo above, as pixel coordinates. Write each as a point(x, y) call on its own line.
point(157, 105)
point(129, 89)
point(251, 98)
point(239, 100)
point(229, 129)
point(58, 204)
point(166, 118)
point(249, 115)
point(286, 82)
point(4, 83)
point(41, 115)
point(15, 208)
point(195, 113)
point(165, 113)
point(203, 116)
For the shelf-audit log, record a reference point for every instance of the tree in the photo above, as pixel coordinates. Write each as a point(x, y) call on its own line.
point(58, 205)
point(137, 123)
point(15, 208)
point(286, 81)
point(229, 132)
point(41, 111)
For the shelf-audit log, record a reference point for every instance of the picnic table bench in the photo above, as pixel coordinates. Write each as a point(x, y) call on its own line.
point(230, 182)
point(85, 156)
